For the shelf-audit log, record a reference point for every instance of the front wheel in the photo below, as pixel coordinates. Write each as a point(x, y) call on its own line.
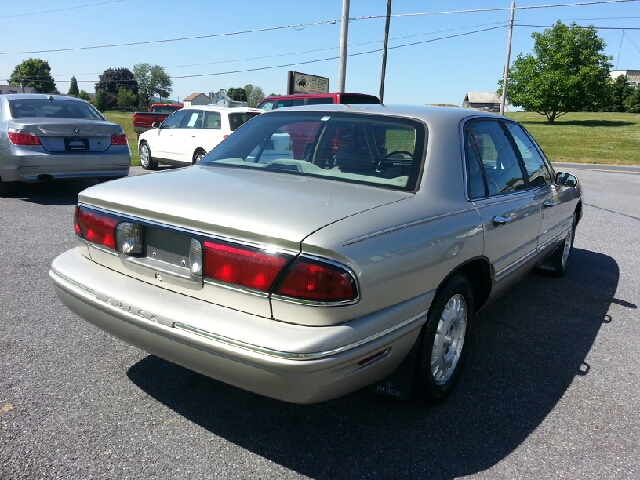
point(145, 158)
point(559, 259)
point(443, 346)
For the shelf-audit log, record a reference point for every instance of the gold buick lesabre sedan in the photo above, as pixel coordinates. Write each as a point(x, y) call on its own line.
point(322, 249)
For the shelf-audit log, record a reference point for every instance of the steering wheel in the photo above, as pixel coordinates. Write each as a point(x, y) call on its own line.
point(397, 158)
point(398, 154)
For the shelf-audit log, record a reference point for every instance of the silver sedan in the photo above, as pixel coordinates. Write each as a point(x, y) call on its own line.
point(319, 250)
point(45, 137)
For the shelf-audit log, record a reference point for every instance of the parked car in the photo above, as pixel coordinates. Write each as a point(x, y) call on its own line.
point(304, 278)
point(299, 99)
point(187, 135)
point(45, 137)
point(158, 112)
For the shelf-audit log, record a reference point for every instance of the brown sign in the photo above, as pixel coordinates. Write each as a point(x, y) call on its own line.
point(303, 83)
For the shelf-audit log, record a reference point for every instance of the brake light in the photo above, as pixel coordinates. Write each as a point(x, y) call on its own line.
point(242, 266)
point(21, 138)
point(119, 139)
point(98, 228)
point(319, 281)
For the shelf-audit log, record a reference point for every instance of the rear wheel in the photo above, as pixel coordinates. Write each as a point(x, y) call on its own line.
point(145, 158)
point(197, 156)
point(443, 346)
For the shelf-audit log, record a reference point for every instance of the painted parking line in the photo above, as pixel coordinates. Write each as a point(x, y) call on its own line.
point(613, 171)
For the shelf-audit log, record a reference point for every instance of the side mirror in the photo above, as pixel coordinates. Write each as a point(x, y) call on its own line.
point(566, 179)
point(156, 125)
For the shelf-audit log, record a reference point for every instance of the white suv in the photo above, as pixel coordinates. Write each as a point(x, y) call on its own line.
point(189, 134)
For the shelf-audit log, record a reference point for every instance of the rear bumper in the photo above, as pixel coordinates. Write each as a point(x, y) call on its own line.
point(28, 164)
point(287, 365)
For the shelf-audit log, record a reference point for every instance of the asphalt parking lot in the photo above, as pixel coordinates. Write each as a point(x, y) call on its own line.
point(551, 388)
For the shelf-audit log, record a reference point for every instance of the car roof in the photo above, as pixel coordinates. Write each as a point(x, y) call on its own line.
point(41, 96)
point(420, 112)
point(220, 108)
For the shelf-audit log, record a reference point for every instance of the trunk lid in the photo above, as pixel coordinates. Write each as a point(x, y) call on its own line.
point(70, 135)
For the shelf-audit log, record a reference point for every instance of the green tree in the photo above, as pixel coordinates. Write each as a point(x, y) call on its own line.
point(237, 94)
point(112, 79)
point(33, 73)
point(101, 101)
point(620, 90)
point(632, 103)
point(73, 88)
point(152, 80)
point(126, 98)
point(84, 95)
point(567, 72)
point(254, 95)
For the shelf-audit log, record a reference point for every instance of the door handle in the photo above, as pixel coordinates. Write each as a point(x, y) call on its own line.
point(500, 220)
point(549, 204)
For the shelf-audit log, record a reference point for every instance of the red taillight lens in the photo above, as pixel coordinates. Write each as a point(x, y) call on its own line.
point(119, 139)
point(314, 280)
point(21, 138)
point(241, 266)
point(96, 227)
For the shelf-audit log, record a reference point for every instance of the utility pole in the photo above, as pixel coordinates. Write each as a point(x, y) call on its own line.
point(21, 81)
point(384, 51)
point(344, 29)
point(505, 78)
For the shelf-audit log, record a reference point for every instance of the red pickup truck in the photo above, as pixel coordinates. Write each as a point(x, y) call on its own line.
point(158, 112)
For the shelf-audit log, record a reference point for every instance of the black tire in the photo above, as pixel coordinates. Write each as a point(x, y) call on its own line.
point(558, 262)
point(146, 160)
point(443, 342)
point(197, 156)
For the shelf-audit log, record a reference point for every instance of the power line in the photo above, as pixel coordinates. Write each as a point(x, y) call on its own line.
point(326, 22)
point(597, 28)
point(60, 9)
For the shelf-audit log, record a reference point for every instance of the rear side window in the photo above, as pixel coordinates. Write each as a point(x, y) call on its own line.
point(268, 105)
point(359, 99)
point(319, 101)
point(497, 157)
point(237, 119)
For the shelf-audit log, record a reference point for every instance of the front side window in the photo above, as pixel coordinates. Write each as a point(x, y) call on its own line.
point(356, 148)
point(44, 108)
point(498, 158)
point(268, 105)
point(533, 161)
point(173, 121)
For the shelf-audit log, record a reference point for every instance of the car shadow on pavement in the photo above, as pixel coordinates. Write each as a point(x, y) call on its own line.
point(526, 350)
point(55, 192)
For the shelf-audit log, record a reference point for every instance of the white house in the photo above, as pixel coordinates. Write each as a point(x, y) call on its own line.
point(633, 76)
point(224, 100)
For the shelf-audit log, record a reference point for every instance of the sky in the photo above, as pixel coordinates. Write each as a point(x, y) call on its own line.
point(438, 50)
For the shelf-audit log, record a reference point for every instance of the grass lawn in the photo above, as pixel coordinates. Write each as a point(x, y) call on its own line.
point(124, 119)
point(583, 137)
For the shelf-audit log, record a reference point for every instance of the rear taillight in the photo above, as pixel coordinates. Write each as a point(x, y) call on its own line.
point(243, 266)
point(21, 138)
point(119, 139)
point(98, 228)
point(108, 231)
point(318, 281)
point(305, 279)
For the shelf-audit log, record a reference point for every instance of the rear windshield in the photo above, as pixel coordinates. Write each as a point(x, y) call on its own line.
point(165, 109)
point(350, 147)
point(44, 108)
point(36, 107)
point(237, 119)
